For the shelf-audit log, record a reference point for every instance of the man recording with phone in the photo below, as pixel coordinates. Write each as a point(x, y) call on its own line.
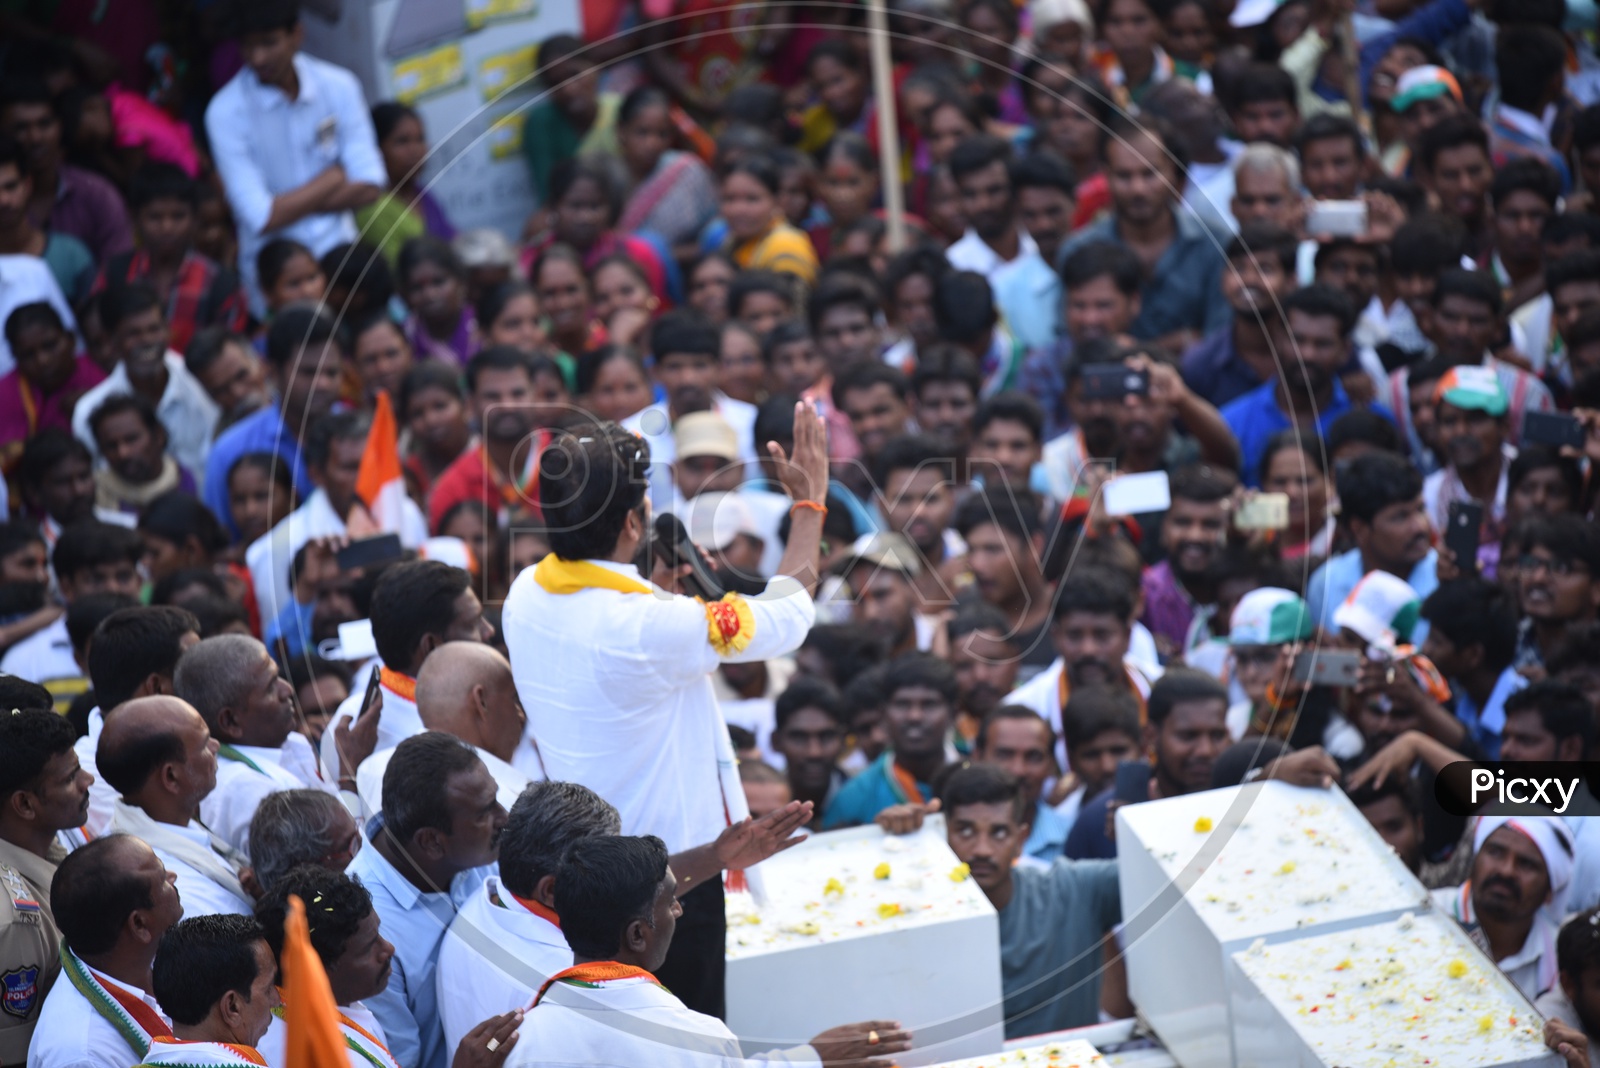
point(631, 712)
point(1470, 419)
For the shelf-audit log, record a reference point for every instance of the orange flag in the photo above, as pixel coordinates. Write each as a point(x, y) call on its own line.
point(314, 1039)
point(380, 463)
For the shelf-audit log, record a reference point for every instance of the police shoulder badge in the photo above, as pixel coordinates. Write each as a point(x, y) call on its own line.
point(19, 991)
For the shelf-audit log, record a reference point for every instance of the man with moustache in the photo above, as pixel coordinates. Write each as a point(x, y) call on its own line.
point(1380, 497)
point(919, 712)
point(1090, 632)
point(1193, 533)
point(1019, 741)
point(500, 386)
point(1515, 897)
point(1310, 394)
point(42, 791)
point(880, 573)
point(1470, 417)
point(1558, 566)
point(986, 659)
point(811, 724)
point(1052, 918)
point(1242, 355)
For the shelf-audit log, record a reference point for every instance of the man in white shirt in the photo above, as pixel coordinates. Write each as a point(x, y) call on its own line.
point(506, 941)
point(113, 900)
point(616, 898)
point(28, 280)
point(133, 653)
point(416, 607)
point(293, 141)
point(686, 350)
point(233, 682)
point(136, 321)
point(1516, 895)
point(632, 713)
point(1091, 630)
point(332, 450)
point(159, 755)
point(464, 689)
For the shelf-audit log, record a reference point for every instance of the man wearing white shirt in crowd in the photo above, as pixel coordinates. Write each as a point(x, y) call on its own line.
point(441, 820)
point(632, 714)
point(1091, 630)
point(687, 351)
point(28, 280)
point(159, 755)
point(417, 606)
point(133, 653)
point(506, 941)
point(113, 900)
point(134, 318)
point(617, 903)
point(233, 682)
point(332, 451)
point(349, 941)
point(293, 140)
point(464, 689)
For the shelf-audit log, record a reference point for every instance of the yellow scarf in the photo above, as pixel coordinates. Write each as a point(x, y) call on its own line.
point(730, 625)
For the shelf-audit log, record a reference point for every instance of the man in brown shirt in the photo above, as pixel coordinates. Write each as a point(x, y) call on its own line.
point(43, 791)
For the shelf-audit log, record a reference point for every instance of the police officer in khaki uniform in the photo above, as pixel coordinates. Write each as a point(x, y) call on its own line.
point(43, 791)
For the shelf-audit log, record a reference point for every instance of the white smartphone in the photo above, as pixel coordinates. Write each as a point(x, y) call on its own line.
point(1138, 494)
point(1337, 218)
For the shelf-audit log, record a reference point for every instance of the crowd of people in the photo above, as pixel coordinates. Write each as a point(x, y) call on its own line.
point(1225, 398)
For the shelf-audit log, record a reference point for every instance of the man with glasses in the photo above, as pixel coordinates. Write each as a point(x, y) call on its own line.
point(1556, 569)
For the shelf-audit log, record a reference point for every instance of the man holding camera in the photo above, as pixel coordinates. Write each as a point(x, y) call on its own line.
point(631, 712)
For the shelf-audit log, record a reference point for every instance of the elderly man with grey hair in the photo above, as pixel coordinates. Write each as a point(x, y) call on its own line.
point(295, 827)
point(233, 682)
point(506, 941)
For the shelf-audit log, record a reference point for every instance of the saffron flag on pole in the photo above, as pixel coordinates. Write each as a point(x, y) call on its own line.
point(314, 1039)
point(381, 484)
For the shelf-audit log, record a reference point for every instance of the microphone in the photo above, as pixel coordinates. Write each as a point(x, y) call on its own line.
point(672, 542)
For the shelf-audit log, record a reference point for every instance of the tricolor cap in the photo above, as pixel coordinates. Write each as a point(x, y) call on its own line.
point(1423, 83)
point(1382, 609)
point(1269, 616)
point(1473, 388)
point(706, 434)
point(1253, 12)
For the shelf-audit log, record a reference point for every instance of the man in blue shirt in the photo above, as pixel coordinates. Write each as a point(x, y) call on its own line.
point(1238, 358)
point(1183, 265)
point(920, 711)
point(1380, 501)
point(413, 859)
point(1472, 640)
point(307, 365)
point(1307, 393)
point(1018, 739)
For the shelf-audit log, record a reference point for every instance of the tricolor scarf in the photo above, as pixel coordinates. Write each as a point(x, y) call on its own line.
point(228, 752)
point(135, 1021)
point(596, 975)
point(544, 912)
point(171, 1052)
point(358, 1038)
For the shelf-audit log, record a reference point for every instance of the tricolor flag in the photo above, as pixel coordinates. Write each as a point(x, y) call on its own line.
point(314, 1039)
point(381, 484)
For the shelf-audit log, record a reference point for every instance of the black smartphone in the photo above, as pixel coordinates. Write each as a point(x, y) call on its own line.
point(1461, 530)
point(1132, 783)
point(1113, 381)
point(369, 551)
point(1552, 428)
point(371, 694)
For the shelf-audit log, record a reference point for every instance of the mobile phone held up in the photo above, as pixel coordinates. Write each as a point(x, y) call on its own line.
point(1554, 429)
point(1322, 667)
point(1132, 783)
point(1461, 532)
point(1113, 381)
